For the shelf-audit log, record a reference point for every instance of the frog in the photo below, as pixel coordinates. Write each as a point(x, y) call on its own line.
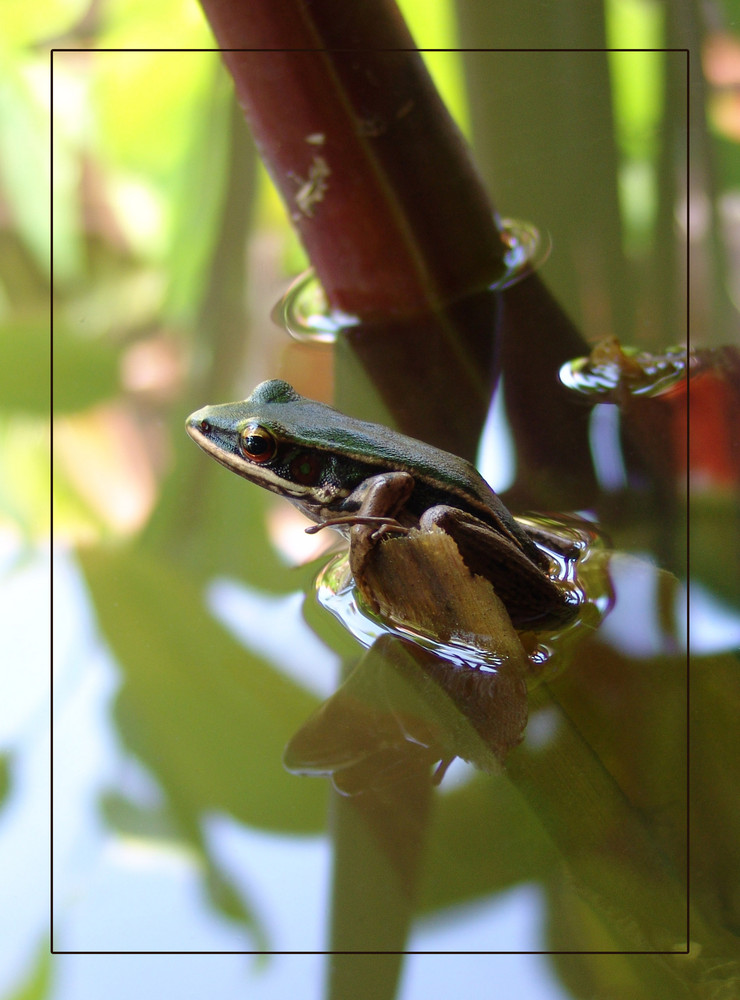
point(370, 482)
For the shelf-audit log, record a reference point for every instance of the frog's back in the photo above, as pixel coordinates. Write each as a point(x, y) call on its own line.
point(319, 426)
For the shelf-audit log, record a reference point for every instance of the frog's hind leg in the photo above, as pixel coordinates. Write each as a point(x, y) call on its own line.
point(532, 598)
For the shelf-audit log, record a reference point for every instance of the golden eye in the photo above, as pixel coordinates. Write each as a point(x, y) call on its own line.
point(257, 444)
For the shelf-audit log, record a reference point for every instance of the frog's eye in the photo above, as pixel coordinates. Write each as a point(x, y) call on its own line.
point(257, 444)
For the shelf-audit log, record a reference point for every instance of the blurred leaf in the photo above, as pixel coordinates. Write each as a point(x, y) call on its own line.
point(85, 370)
point(154, 141)
point(24, 475)
point(715, 804)
point(38, 982)
point(135, 820)
point(433, 25)
point(209, 718)
point(378, 836)
point(24, 24)
point(24, 157)
point(67, 236)
point(5, 782)
point(200, 193)
point(637, 75)
point(714, 542)
point(617, 976)
point(25, 366)
point(542, 123)
point(155, 823)
point(180, 22)
point(228, 898)
point(483, 839)
point(625, 855)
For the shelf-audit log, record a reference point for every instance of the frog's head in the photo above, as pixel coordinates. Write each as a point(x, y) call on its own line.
point(268, 439)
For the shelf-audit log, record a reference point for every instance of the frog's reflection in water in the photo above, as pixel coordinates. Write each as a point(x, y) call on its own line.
point(594, 832)
point(384, 739)
point(404, 706)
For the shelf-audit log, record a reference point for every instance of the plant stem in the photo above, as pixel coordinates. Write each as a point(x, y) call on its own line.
point(375, 175)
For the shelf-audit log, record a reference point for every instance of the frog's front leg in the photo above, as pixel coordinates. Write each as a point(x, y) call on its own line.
point(531, 597)
point(381, 499)
point(372, 511)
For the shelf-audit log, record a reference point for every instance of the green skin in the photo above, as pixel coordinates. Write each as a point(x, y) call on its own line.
point(367, 481)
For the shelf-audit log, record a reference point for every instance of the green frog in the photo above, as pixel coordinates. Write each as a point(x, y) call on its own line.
point(369, 481)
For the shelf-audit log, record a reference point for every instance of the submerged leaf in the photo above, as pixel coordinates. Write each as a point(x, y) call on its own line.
point(210, 718)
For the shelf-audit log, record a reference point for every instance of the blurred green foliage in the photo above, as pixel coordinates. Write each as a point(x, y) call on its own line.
point(39, 979)
point(5, 780)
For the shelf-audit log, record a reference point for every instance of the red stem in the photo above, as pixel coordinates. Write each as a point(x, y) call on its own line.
point(374, 173)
